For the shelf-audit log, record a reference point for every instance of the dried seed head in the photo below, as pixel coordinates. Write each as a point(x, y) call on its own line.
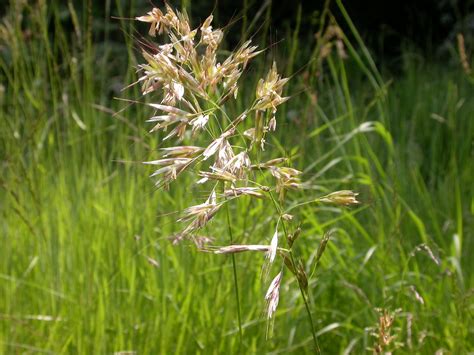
point(244, 191)
point(224, 155)
point(209, 37)
point(170, 168)
point(273, 248)
point(216, 174)
point(238, 165)
point(212, 148)
point(177, 90)
point(245, 53)
point(272, 124)
point(343, 197)
point(384, 329)
point(287, 178)
point(181, 151)
point(200, 214)
point(156, 19)
point(171, 110)
point(166, 120)
point(201, 208)
point(273, 295)
point(220, 145)
point(178, 131)
point(199, 122)
point(269, 91)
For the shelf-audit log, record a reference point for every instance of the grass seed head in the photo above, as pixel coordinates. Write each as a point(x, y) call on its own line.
point(273, 295)
point(190, 86)
point(343, 197)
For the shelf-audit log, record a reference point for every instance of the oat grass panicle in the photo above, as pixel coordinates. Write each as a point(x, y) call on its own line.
point(194, 86)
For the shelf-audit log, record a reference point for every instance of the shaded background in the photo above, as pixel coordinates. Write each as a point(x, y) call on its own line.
point(388, 27)
point(85, 265)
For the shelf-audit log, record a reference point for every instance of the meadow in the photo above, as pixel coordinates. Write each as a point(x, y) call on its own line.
point(86, 261)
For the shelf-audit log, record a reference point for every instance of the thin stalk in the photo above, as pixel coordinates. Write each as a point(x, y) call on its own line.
point(236, 284)
point(305, 300)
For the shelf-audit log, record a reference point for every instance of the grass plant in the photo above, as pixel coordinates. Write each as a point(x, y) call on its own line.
point(85, 261)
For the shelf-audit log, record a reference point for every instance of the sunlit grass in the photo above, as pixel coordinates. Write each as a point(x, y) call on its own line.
point(85, 261)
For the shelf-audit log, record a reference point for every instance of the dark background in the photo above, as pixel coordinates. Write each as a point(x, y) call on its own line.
point(388, 26)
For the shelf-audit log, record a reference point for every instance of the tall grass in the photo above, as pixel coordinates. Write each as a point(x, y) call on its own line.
point(85, 264)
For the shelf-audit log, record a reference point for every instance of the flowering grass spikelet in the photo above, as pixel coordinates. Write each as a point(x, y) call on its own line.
point(273, 295)
point(343, 197)
point(273, 247)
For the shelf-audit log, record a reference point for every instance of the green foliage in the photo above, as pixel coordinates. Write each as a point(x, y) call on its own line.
point(85, 261)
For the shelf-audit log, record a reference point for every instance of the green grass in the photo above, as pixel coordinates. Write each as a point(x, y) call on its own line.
point(80, 219)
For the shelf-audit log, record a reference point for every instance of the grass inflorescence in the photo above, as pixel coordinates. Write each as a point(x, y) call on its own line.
point(86, 262)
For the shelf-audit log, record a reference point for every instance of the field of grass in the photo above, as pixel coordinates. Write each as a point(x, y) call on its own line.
point(86, 265)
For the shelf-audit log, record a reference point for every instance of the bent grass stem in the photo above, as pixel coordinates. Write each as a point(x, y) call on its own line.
point(305, 300)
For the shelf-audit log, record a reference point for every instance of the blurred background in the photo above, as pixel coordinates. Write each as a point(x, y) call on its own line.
point(381, 104)
point(387, 27)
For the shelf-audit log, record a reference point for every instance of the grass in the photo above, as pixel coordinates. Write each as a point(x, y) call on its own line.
point(85, 264)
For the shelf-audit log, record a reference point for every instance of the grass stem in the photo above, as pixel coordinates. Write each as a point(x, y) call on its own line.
point(305, 300)
point(236, 284)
